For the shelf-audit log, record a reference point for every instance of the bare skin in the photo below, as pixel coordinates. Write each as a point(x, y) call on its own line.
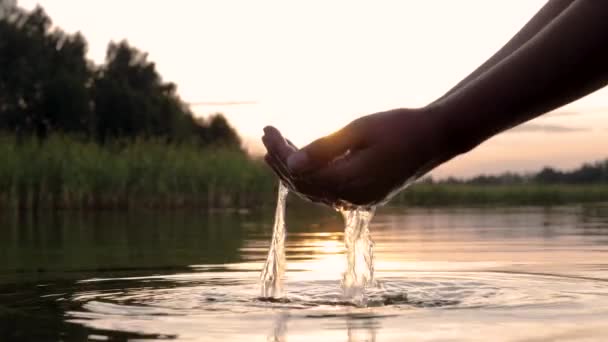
point(559, 56)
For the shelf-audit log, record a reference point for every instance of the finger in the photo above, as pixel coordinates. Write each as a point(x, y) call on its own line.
point(276, 144)
point(291, 144)
point(280, 170)
point(276, 159)
point(278, 148)
point(301, 187)
point(323, 150)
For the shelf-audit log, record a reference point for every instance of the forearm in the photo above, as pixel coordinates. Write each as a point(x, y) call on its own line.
point(567, 60)
point(543, 17)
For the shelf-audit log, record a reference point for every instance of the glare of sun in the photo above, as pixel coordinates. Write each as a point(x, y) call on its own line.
point(327, 260)
point(328, 247)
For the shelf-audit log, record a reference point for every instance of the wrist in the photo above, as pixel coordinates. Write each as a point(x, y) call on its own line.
point(451, 131)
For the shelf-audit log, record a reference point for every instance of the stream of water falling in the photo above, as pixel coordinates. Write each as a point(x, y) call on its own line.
point(274, 268)
point(359, 272)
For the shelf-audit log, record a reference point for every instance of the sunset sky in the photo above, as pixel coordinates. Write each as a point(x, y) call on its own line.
point(310, 67)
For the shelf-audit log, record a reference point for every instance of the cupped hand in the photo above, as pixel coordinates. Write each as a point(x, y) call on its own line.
point(364, 163)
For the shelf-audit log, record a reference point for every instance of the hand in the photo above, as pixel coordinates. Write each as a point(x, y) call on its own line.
point(364, 163)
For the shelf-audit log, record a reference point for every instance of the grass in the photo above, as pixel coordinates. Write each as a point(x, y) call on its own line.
point(67, 173)
point(512, 194)
point(64, 172)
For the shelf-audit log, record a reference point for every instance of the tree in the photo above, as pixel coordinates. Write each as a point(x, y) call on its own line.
point(43, 82)
point(7, 7)
point(48, 85)
point(218, 132)
point(132, 100)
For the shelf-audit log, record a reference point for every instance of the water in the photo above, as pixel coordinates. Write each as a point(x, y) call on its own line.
point(359, 273)
point(274, 268)
point(469, 274)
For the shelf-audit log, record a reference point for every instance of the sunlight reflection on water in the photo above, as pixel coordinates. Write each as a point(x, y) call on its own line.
point(450, 274)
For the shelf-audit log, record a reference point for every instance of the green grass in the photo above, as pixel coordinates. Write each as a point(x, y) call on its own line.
point(63, 172)
point(67, 173)
point(513, 194)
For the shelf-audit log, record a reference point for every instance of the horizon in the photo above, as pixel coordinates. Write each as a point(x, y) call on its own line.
point(298, 68)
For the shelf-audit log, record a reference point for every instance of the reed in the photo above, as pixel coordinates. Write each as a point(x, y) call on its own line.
point(66, 173)
point(508, 194)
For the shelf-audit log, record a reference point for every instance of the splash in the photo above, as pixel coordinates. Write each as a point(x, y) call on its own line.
point(274, 268)
point(359, 272)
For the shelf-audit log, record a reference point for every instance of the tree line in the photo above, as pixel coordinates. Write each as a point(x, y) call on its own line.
point(47, 85)
point(588, 173)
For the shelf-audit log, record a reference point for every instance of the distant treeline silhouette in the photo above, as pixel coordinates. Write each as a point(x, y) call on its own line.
point(47, 85)
point(588, 173)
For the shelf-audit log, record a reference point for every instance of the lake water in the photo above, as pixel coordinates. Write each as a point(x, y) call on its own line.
point(444, 274)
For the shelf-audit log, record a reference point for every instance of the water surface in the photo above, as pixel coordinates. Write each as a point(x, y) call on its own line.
point(500, 274)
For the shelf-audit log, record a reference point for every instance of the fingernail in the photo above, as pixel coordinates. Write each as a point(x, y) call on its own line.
point(297, 161)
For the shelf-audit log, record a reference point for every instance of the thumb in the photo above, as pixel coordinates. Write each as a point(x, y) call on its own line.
point(323, 150)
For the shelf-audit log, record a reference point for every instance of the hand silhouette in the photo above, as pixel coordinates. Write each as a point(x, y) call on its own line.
point(363, 163)
point(557, 57)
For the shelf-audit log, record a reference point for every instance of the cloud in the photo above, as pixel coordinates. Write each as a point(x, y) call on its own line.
point(565, 112)
point(570, 112)
point(222, 103)
point(533, 128)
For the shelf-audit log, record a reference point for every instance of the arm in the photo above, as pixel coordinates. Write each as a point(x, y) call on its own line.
point(567, 60)
point(374, 156)
point(542, 18)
